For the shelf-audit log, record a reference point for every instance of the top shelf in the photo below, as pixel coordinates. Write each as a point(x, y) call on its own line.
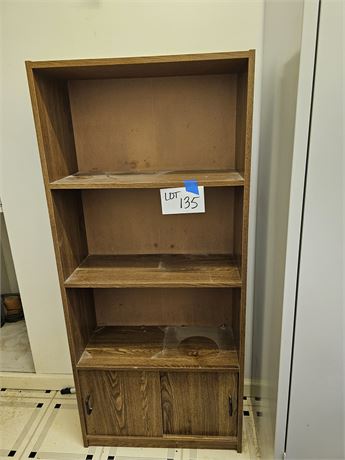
point(144, 66)
point(160, 179)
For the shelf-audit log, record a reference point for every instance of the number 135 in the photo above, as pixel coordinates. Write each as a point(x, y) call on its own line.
point(187, 202)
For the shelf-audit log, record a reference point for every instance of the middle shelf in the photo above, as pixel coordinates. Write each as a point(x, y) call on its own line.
point(159, 179)
point(167, 270)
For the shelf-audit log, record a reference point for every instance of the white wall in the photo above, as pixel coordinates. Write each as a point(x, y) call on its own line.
point(80, 29)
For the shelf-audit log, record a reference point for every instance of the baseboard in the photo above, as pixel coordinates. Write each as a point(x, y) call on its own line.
point(256, 387)
point(247, 387)
point(32, 381)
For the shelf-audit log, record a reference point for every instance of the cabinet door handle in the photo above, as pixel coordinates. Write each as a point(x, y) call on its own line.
point(230, 406)
point(88, 404)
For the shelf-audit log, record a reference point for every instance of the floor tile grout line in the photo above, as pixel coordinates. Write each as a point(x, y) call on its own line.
point(18, 442)
point(59, 396)
point(51, 400)
point(37, 426)
point(40, 416)
point(21, 395)
point(49, 422)
point(252, 415)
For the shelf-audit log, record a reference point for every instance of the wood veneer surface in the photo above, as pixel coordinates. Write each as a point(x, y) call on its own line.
point(160, 348)
point(159, 179)
point(155, 271)
point(50, 92)
point(152, 124)
point(131, 222)
point(123, 403)
point(161, 306)
point(183, 403)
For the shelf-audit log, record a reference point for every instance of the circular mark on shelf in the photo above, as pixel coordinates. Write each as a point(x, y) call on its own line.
point(198, 346)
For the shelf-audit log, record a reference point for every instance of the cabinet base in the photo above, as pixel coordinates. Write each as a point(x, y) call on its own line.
point(192, 442)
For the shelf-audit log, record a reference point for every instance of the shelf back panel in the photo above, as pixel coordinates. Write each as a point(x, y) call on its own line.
point(155, 124)
point(131, 222)
point(162, 307)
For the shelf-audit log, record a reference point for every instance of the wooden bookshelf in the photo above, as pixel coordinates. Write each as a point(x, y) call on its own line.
point(154, 304)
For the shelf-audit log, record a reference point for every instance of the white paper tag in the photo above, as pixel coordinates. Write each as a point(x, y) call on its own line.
point(179, 201)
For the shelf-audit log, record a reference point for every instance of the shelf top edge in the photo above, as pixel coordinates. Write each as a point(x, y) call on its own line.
point(148, 179)
point(231, 368)
point(87, 274)
point(174, 58)
point(158, 173)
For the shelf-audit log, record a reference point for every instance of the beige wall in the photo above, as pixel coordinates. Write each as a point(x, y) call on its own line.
point(80, 29)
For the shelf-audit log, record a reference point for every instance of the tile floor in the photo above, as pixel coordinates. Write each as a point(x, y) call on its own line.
point(45, 425)
point(15, 352)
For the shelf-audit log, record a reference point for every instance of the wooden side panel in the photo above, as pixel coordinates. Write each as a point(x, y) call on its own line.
point(82, 318)
point(153, 124)
point(131, 222)
point(199, 403)
point(241, 120)
point(70, 227)
point(246, 191)
point(161, 307)
point(236, 312)
point(57, 129)
point(57, 155)
point(123, 403)
point(238, 226)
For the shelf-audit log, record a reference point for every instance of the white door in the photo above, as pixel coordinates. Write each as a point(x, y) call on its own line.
point(315, 426)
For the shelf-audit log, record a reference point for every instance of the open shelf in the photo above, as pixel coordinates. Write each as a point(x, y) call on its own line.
point(150, 347)
point(92, 180)
point(157, 270)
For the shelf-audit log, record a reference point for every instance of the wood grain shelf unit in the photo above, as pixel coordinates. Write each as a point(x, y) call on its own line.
point(154, 304)
point(161, 179)
point(155, 271)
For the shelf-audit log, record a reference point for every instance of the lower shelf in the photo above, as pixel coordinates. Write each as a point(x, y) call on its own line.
point(153, 347)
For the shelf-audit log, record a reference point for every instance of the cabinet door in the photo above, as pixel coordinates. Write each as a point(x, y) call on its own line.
point(121, 403)
point(199, 403)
